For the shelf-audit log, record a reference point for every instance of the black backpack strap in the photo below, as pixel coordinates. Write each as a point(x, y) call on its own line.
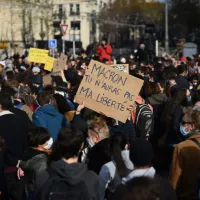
point(195, 141)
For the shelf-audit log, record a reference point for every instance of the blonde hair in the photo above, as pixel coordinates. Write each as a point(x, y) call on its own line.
point(196, 119)
point(29, 100)
point(98, 127)
point(187, 114)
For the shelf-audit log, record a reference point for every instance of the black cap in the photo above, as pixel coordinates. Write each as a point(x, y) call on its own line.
point(141, 153)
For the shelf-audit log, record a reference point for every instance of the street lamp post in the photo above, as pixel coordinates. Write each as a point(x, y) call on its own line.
point(74, 43)
point(166, 27)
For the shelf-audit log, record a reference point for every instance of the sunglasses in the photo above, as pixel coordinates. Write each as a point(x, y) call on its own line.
point(183, 122)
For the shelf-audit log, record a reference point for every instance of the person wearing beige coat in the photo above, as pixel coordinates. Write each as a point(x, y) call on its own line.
point(27, 110)
point(186, 161)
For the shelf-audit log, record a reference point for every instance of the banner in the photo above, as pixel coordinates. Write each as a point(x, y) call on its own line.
point(49, 63)
point(37, 55)
point(108, 91)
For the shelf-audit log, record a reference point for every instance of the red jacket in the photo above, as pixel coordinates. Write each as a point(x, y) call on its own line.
point(104, 53)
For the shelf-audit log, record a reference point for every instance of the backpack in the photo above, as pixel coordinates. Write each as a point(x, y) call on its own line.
point(144, 121)
point(57, 188)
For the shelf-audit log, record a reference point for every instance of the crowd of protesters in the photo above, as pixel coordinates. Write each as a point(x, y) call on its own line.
point(51, 148)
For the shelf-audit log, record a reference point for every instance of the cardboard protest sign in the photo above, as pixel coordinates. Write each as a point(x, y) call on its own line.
point(121, 67)
point(37, 55)
point(47, 80)
point(108, 91)
point(49, 63)
point(63, 58)
point(60, 63)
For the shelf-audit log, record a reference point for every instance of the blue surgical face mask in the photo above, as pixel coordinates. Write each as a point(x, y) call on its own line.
point(36, 101)
point(195, 68)
point(183, 132)
point(189, 99)
point(90, 142)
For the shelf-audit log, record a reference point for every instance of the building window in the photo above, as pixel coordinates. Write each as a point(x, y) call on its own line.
point(75, 37)
point(76, 25)
point(74, 9)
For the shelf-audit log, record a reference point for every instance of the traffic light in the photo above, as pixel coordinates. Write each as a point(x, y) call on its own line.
point(60, 12)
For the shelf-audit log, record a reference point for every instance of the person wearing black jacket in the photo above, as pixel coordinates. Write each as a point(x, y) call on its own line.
point(98, 137)
point(19, 113)
point(68, 172)
point(181, 79)
point(168, 67)
point(15, 135)
point(35, 158)
point(142, 54)
point(3, 192)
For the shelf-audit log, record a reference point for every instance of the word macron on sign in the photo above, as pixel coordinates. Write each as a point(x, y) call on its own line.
point(108, 91)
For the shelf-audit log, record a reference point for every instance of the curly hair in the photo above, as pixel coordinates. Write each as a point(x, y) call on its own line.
point(196, 119)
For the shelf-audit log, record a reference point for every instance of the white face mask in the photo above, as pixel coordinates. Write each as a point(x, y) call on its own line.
point(90, 142)
point(49, 144)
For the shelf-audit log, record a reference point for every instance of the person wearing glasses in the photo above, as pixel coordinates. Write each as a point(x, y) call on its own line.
point(185, 167)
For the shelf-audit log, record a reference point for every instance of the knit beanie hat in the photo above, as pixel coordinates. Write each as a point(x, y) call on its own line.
point(141, 153)
point(36, 70)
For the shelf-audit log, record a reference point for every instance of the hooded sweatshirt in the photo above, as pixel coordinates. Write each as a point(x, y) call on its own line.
point(73, 174)
point(156, 99)
point(48, 117)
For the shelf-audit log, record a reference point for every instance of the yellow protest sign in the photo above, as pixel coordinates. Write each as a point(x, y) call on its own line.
point(108, 91)
point(37, 55)
point(49, 63)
